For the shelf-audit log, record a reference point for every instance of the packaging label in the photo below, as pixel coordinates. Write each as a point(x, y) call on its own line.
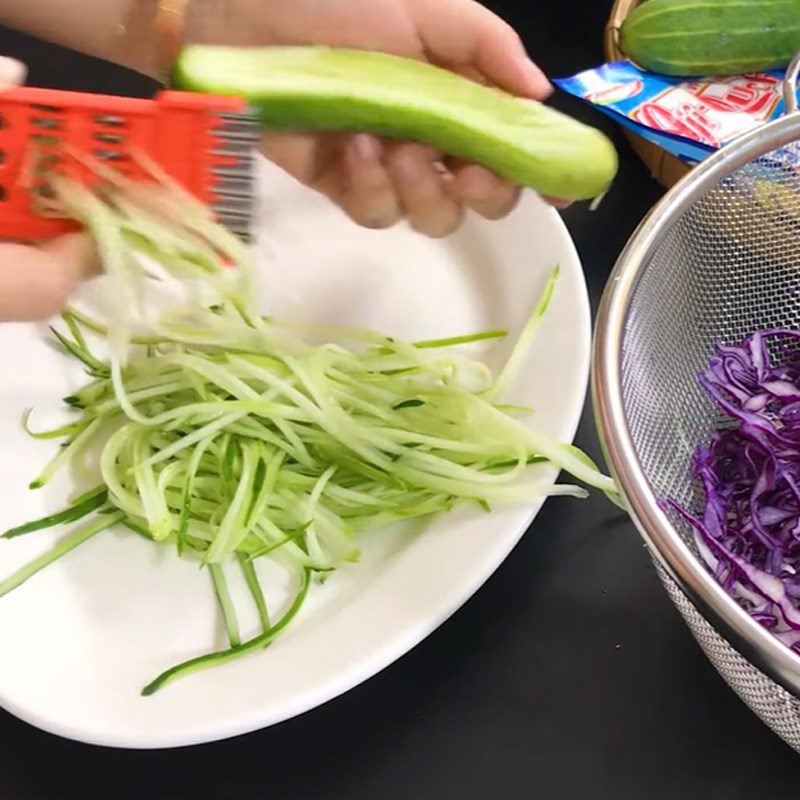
point(688, 118)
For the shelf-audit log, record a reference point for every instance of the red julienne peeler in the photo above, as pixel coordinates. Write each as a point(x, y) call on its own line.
point(204, 142)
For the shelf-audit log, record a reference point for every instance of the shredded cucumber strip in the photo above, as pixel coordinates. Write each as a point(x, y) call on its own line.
point(67, 454)
point(523, 344)
point(84, 505)
point(254, 586)
point(223, 656)
point(225, 604)
point(63, 547)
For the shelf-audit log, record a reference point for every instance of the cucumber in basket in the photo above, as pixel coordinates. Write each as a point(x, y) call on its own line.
point(711, 37)
point(333, 89)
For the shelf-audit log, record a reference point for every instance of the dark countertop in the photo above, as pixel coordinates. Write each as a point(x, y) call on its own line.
point(568, 675)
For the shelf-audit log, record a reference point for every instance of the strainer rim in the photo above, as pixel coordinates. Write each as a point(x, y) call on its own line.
point(748, 637)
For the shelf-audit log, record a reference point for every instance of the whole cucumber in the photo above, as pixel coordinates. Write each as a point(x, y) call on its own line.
point(691, 38)
point(321, 88)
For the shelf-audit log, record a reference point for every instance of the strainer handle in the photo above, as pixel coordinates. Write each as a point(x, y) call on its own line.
point(790, 85)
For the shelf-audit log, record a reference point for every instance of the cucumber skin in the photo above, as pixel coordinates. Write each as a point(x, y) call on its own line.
point(698, 38)
point(320, 88)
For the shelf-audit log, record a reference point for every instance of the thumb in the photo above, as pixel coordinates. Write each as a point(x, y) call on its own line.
point(12, 72)
point(467, 36)
point(36, 282)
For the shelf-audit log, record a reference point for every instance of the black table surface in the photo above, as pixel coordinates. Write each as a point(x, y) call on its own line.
point(568, 675)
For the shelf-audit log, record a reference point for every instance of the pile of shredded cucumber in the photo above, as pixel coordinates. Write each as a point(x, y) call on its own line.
point(230, 437)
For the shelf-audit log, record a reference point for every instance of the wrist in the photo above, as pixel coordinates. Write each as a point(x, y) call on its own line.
point(136, 43)
point(179, 22)
point(168, 27)
point(116, 30)
point(175, 23)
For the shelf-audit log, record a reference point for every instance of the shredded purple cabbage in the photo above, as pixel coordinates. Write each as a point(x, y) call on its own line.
point(748, 531)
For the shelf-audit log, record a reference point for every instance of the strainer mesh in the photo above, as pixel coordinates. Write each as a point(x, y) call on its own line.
point(729, 266)
point(773, 704)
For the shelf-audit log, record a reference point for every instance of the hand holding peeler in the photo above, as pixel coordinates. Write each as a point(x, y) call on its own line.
point(204, 142)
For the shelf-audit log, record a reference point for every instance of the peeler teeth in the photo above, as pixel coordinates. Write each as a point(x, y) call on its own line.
point(239, 173)
point(235, 138)
point(244, 136)
point(242, 230)
point(229, 207)
point(233, 193)
point(231, 218)
point(243, 127)
point(234, 212)
point(244, 131)
point(237, 116)
point(233, 189)
point(231, 152)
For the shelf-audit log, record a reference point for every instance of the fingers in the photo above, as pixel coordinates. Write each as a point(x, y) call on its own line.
point(378, 183)
point(348, 169)
point(305, 156)
point(12, 72)
point(384, 182)
point(556, 203)
point(459, 33)
point(368, 194)
point(35, 282)
point(77, 255)
point(482, 191)
point(422, 190)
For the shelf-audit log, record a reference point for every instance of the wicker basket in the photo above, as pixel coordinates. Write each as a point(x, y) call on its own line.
point(666, 168)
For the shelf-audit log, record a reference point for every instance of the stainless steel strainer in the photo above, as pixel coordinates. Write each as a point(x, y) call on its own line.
point(715, 260)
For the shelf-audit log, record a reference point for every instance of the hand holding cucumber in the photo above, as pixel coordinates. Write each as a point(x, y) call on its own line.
point(378, 180)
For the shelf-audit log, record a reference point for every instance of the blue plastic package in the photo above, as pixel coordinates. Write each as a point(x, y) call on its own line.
point(688, 118)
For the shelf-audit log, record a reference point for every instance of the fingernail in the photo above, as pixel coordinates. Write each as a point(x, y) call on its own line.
point(540, 86)
point(366, 146)
point(543, 87)
point(12, 72)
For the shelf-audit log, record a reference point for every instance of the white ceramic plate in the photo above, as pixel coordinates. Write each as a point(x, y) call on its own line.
point(80, 639)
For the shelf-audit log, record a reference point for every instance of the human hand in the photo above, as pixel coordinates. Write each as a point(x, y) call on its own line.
point(378, 182)
point(36, 281)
